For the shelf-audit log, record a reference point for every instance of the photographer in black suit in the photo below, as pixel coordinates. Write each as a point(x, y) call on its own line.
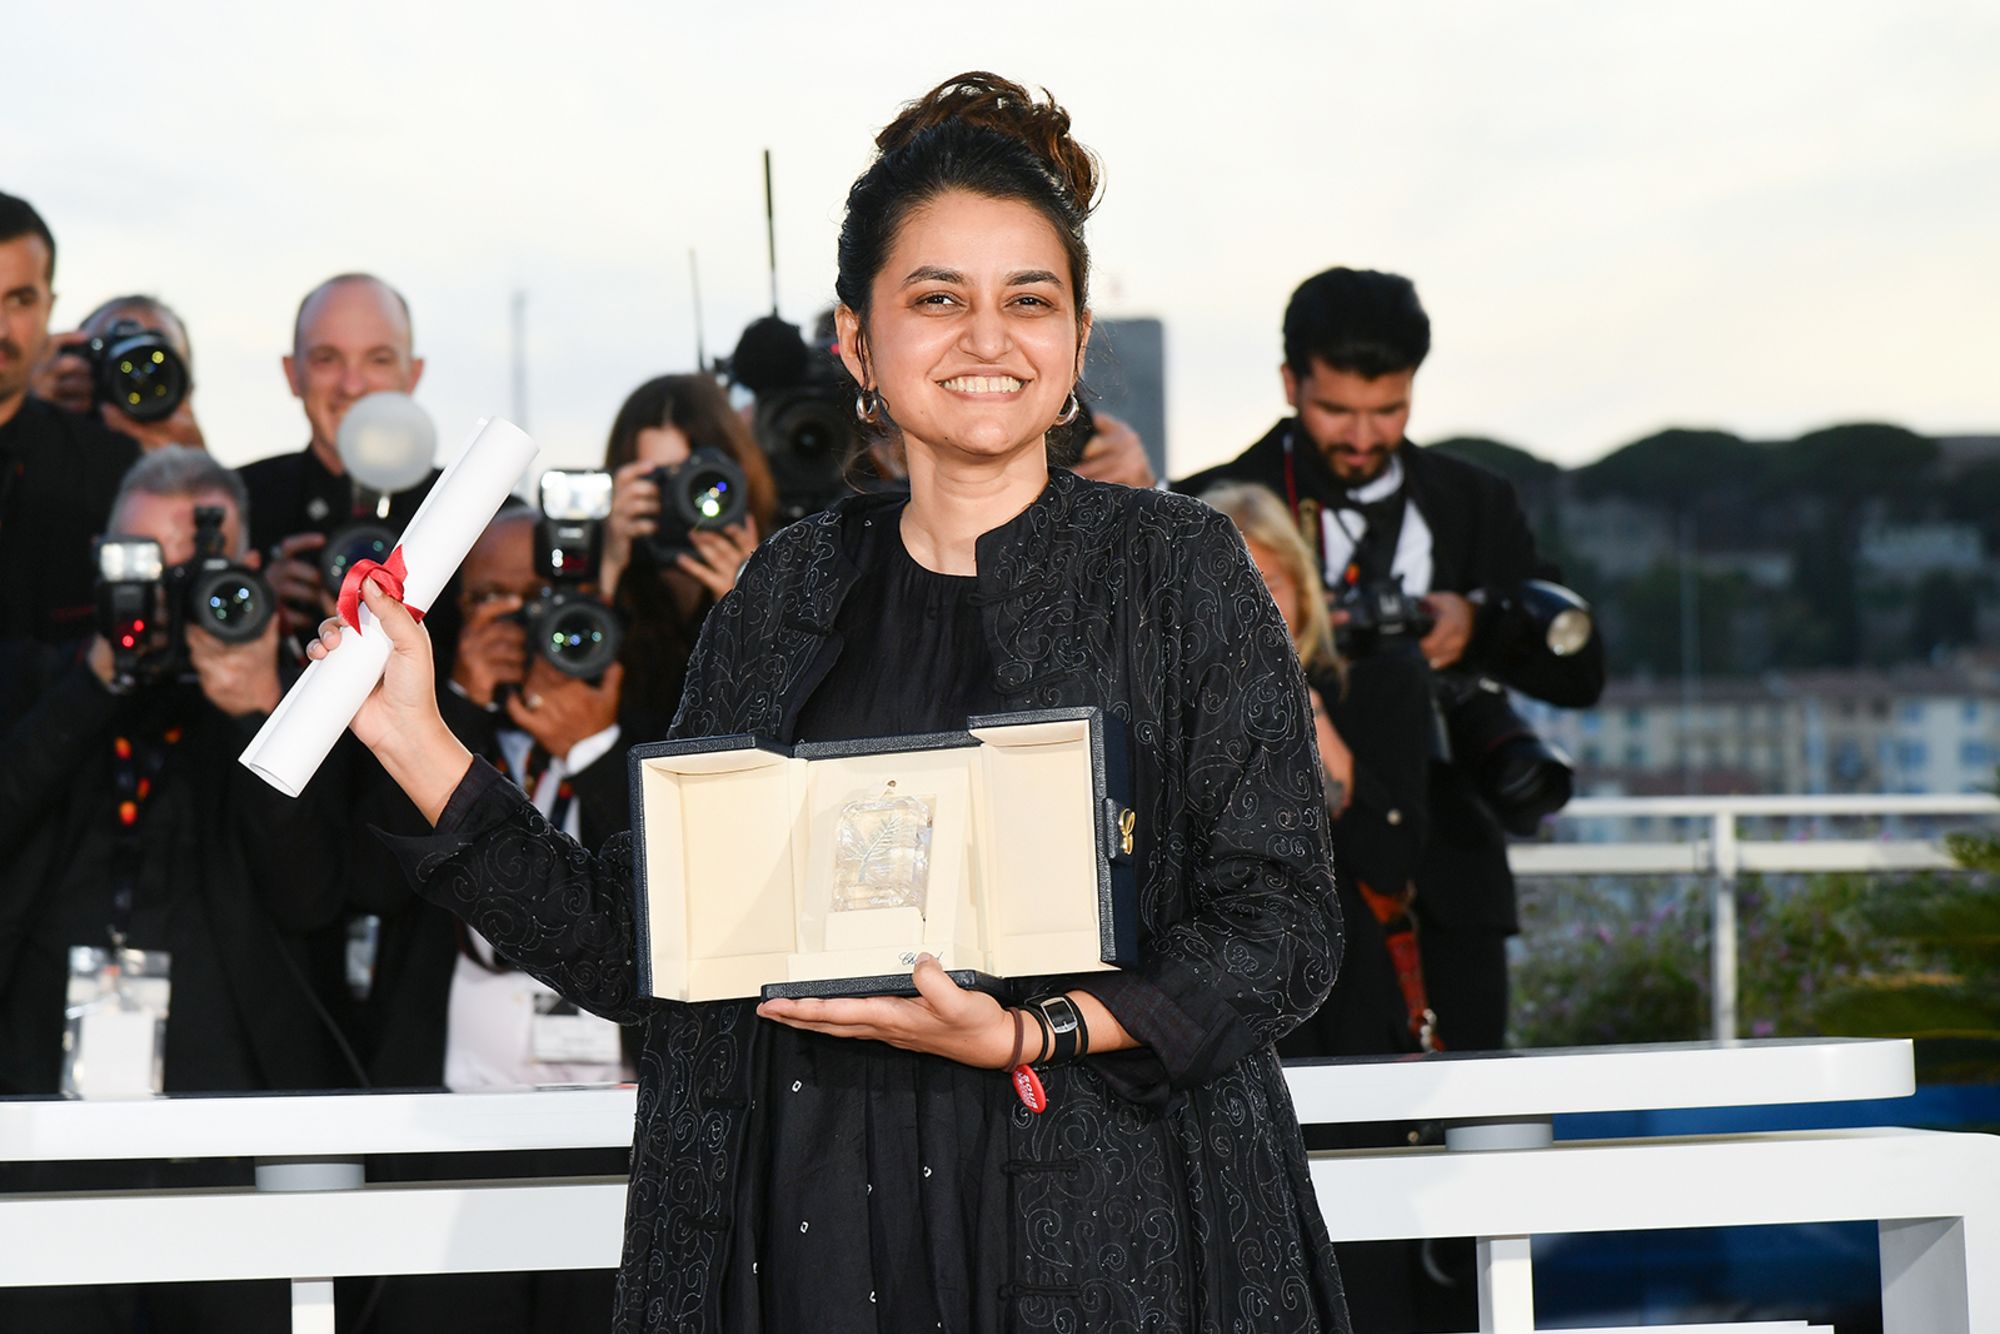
point(58, 470)
point(1379, 510)
point(127, 824)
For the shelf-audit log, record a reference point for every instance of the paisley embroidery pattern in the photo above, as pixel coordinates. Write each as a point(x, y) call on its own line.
point(1188, 1208)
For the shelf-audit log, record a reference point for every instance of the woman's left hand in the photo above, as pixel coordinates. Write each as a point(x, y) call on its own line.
point(719, 555)
point(943, 1019)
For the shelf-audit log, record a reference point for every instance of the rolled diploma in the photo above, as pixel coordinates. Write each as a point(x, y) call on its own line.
point(293, 742)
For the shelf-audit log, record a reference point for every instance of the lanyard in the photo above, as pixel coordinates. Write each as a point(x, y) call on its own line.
point(136, 764)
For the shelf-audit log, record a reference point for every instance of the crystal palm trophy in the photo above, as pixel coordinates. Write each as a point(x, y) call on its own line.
point(882, 852)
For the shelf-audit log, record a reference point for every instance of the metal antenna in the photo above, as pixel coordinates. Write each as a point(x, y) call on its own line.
point(771, 230)
point(694, 285)
point(519, 325)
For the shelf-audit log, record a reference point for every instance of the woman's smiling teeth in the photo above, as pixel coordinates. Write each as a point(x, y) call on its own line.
point(982, 384)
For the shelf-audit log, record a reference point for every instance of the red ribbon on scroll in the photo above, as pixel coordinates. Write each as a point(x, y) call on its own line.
point(388, 573)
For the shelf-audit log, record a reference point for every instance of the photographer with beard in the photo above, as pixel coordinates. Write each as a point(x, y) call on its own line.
point(126, 824)
point(1379, 509)
point(58, 470)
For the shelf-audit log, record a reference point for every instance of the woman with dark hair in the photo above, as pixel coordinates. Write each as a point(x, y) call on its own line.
point(661, 424)
point(864, 1164)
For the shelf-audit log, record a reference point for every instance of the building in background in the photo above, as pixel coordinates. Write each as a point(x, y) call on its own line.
point(1125, 374)
point(1912, 729)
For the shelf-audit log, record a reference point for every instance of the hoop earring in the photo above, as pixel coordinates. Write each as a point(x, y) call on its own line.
point(1070, 409)
point(867, 404)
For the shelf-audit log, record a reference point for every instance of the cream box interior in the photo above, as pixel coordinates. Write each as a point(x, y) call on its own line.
point(738, 879)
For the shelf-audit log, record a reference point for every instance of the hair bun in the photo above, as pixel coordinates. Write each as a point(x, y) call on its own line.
point(991, 102)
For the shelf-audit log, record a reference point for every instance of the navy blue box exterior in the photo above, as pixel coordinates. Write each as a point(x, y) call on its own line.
point(1111, 788)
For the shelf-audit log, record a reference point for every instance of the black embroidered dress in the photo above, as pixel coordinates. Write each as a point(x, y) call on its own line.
point(787, 1181)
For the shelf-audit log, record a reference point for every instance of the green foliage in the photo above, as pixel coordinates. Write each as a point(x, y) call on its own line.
point(1860, 461)
point(1847, 955)
point(1608, 963)
point(1516, 465)
point(1674, 467)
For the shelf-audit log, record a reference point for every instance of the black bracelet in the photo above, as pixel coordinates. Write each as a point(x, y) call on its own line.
point(1043, 1038)
point(1069, 1037)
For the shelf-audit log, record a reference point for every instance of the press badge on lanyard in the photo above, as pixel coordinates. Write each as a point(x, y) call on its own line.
point(115, 1034)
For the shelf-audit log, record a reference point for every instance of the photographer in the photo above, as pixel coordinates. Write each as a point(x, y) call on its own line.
point(70, 376)
point(1389, 518)
point(662, 573)
point(352, 337)
point(58, 471)
point(133, 845)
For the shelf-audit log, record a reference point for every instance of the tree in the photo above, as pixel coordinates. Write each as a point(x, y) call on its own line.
point(1675, 467)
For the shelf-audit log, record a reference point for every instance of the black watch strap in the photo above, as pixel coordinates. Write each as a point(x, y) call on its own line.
point(1068, 1037)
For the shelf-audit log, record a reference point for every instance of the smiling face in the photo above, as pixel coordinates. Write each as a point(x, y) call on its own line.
point(973, 337)
point(353, 339)
point(1356, 422)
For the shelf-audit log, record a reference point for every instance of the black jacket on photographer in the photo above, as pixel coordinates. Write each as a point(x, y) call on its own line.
point(1479, 539)
point(405, 1029)
point(296, 493)
point(58, 474)
point(209, 844)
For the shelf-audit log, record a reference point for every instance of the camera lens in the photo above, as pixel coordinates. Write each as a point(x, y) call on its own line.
point(232, 604)
point(709, 495)
point(356, 542)
point(709, 490)
point(579, 636)
point(143, 376)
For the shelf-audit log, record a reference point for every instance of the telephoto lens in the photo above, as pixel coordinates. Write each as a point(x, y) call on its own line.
point(1522, 778)
point(578, 634)
point(136, 371)
point(706, 492)
point(231, 603)
point(573, 629)
point(349, 545)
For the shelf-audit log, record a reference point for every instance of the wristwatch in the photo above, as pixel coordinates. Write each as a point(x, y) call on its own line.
point(1068, 1037)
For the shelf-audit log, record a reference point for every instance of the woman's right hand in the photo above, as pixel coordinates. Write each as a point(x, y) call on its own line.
point(399, 720)
point(635, 513)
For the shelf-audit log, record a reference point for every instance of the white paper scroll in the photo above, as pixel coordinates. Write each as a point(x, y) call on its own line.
point(288, 750)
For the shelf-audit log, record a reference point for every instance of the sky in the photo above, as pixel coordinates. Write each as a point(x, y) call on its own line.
point(1763, 217)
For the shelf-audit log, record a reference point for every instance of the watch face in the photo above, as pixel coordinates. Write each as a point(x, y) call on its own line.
point(1061, 1015)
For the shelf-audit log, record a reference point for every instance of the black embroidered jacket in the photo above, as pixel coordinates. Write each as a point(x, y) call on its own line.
point(1189, 1206)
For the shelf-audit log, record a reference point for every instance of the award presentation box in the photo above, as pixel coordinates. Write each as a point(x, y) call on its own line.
point(1030, 835)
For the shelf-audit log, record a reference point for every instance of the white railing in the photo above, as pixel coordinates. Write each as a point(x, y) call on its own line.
point(1501, 1176)
point(1716, 849)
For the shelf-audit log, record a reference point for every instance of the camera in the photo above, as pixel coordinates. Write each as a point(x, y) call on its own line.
point(706, 491)
point(573, 629)
point(362, 537)
point(144, 607)
point(386, 443)
point(1520, 777)
point(136, 371)
point(1381, 618)
point(804, 421)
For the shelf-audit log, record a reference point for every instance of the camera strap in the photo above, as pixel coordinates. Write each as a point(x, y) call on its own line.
point(136, 764)
point(1399, 937)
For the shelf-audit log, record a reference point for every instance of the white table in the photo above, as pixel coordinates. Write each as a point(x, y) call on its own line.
point(1500, 1178)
